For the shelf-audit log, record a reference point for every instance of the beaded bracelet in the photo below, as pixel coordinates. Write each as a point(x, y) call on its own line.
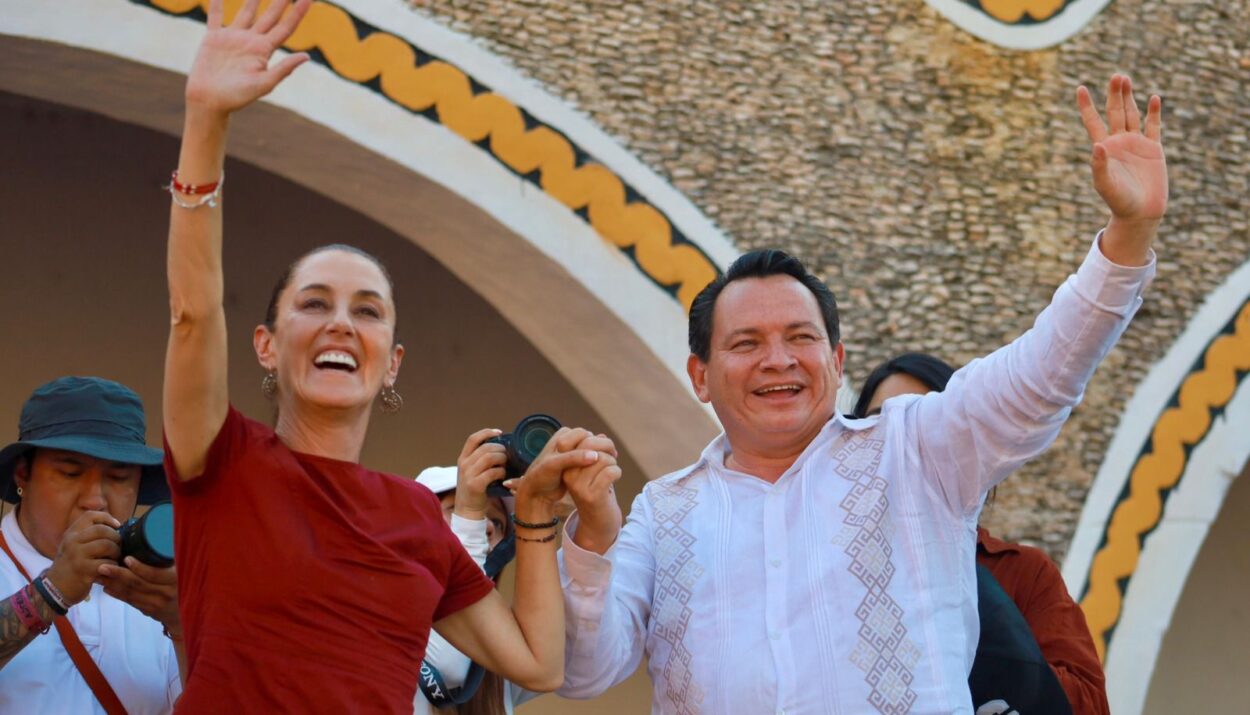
point(543, 540)
point(555, 521)
point(50, 593)
point(24, 606)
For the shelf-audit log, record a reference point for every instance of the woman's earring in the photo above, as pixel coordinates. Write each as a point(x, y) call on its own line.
point(19, 492)
point(269, 385)
point(392, 401)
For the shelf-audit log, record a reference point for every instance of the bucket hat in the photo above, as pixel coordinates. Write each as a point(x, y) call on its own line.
point(92, 416)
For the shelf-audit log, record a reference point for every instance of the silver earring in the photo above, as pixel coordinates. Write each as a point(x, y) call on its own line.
point(392, 401)
point(19, 492)
point(269, 385)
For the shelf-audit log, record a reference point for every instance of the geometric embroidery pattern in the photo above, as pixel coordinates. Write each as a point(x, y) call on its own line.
point(675, 575)
point(884, 652)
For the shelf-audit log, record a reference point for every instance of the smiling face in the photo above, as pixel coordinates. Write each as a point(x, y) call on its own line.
point(58, 486)
point(771, 373)
point(332, 340)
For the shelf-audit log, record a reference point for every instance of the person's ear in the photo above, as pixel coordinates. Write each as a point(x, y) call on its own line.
point(21, 470)
point(397, 357)
point(697, 369)
point(266, 349)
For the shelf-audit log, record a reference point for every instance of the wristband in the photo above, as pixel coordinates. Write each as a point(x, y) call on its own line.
point(51, 594)
point(555, 521)
point(545, 539)
point(24, 606)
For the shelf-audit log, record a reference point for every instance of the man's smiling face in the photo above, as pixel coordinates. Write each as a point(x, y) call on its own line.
point(771, 374)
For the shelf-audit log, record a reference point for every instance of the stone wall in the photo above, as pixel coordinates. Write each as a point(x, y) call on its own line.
point(937, 182)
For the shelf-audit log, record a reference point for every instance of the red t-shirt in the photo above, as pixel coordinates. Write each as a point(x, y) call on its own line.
point(308, 584)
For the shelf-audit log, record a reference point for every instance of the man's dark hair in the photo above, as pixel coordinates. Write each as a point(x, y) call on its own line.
point(932, 371)
point(757, 264)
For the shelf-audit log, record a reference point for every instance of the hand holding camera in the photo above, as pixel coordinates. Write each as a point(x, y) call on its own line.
point(88, 544)
point(144, 575)
point(480, 465)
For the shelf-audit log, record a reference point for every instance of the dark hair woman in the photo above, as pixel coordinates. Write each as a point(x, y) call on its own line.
point(310, 583)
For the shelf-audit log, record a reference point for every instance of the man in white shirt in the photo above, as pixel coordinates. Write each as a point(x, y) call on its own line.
point(807, 563)
point(76, 472)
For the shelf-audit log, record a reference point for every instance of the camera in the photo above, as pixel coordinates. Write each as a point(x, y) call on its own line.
point(522, 446)
point(150, 538)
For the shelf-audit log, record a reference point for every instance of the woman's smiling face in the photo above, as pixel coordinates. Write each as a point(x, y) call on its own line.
point(332, 343)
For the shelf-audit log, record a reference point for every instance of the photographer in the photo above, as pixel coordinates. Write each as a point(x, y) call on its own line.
point(76, 473)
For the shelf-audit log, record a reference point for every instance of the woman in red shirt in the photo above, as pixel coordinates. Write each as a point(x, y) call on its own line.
point(310, 583)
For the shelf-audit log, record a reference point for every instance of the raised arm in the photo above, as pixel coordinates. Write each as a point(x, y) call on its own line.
point(231, 70)
point(1004, 409)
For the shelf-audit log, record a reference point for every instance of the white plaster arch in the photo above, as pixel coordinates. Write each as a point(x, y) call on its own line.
point(1031, 36)
point(49, 46)
point(1168, 552)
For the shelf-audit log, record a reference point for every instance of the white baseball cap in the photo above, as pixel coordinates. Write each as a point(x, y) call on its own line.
point(438, 479)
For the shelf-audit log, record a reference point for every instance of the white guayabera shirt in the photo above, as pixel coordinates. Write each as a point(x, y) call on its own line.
point(849, 585)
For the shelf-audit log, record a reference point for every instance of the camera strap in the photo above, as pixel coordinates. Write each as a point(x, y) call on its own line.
point(432, 684)
point(435, 689)
point(77, 652)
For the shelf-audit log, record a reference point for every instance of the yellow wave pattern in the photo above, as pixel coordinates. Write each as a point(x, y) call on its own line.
point(1012, 11)
point(447, 89)
point(1186, 424)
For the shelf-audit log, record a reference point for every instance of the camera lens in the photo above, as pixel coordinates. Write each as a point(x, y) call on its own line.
point(532, 434)
point(150, 538)
point(158, 530)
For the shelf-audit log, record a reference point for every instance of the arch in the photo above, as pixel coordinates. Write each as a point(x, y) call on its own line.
point(550, 221)
point(1020, 24)
point(1179, 446)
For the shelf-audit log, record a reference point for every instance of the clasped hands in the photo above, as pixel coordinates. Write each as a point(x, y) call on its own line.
point(576, 464)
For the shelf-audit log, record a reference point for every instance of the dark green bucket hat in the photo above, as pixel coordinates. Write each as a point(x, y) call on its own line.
point(92, 416)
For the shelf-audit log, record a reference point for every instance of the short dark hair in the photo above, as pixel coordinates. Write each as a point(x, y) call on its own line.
point(932, 371)
point(757, 264)
point(271, 312)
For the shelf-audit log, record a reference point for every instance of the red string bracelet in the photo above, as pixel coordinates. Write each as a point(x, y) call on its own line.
point(191, 189)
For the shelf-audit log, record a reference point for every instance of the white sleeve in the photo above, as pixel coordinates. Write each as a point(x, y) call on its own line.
point(1004, 409)
point(472, 535)
point(607, 601)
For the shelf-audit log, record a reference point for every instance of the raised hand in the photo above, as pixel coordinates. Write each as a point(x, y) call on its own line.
point(1129, 168)
point(594, 495)
point(231, 69)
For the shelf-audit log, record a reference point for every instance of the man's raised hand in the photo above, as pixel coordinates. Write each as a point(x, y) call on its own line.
point(1129, 168)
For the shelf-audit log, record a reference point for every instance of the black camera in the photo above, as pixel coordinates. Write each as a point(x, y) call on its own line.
point(150, 538)
point(523, 445)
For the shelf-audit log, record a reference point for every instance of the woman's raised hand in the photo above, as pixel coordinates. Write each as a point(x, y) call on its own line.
point(232, 68)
